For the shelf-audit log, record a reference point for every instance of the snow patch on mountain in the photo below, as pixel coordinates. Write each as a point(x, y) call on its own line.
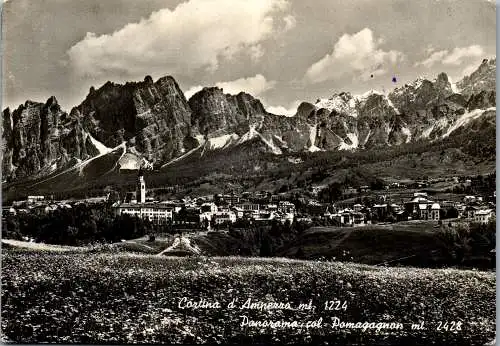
point(367, 94)
point(129, 161)
point(100, 147)
point(353, 137)
point(389, 102)
point(200, 139)
point(342, 102)
point(418, 82)
point(183, 156)
point(367, 137)
point(274, 148)
point(313, 132)
point(427, 132)
point(253, 133)
point(281, 141)
point(454, 86)
point(467, 117)
point(132, 161)
point(221, 141)
point(406, 131)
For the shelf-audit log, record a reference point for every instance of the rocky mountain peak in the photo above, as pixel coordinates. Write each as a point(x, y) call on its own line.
point(482, 79)
point(153, 118)
point(154, 121)
point(216, 113)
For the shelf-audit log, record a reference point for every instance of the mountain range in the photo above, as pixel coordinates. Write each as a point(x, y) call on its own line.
point(118, 128)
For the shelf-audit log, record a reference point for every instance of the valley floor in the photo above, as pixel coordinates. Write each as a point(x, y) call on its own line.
point(123, 298)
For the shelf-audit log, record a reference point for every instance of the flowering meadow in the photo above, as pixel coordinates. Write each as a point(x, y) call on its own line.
point(134, 298)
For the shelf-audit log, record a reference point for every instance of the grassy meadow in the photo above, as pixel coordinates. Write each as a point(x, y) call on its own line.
point(124, 297)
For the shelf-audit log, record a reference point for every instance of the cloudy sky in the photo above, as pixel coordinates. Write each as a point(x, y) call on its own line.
point(281, 51)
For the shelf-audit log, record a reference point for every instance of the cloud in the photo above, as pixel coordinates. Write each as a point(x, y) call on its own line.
point(358, 55)
point(280, 110)
point(256, 52)
point(456, 57)
point(432, 59)
point(469, 69)
point(196, 34)
point(191, 91)
point(255, 86)
point(290, 22)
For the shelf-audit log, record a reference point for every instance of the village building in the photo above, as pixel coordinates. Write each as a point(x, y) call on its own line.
point(364, 189)
point(224, 217)
point(158, 213)
point(380, 211)
point(470, 212)
point(349, 191)
point(315, 208)
point(237, 211)
point(358, 207)
point(34, 199)
point(286, 207)
point(469, 199)
point(250, 207)
point(435, 210)
point(483, 216)
point(413, 207)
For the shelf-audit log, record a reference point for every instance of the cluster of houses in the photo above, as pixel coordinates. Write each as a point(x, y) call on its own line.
point(207, 213)
point(35, 205)
point(263, 207)
point(217, 210)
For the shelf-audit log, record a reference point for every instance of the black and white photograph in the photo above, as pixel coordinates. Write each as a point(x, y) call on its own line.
point(255, 172)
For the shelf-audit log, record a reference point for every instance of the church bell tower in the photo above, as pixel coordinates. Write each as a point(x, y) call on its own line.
point(141, 188)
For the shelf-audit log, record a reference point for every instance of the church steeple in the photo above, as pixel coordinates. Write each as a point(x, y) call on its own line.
point(141, 187)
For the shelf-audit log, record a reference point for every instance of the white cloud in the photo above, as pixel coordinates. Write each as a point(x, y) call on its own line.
point(430, 48)
point(456, 57)
point(290, 22)
point(191, 91)
point(254, 86)
point(469, 69)
point(286, 111)
point(358, 54)
point(196, 34)
point(432, 59)
point(256, 52)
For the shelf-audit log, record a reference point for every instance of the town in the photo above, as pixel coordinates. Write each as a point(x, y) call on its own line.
point(360, 206)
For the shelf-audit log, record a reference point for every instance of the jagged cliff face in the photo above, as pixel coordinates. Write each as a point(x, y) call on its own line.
point(153, 119)
point(482, 79)
point(422, 110)
point(39, 138)
point(216, 113)
point(154, 124)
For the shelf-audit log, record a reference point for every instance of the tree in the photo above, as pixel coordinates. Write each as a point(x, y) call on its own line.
point(456, 242)
point(300, 253)
point(265, 247)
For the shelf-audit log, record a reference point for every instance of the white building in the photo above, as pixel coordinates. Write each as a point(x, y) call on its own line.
point(434, 212)
point(33, 199)
point(358, 207)
point(286, 207)
point(158, 213)
point(483, 216)
point(224, 217)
